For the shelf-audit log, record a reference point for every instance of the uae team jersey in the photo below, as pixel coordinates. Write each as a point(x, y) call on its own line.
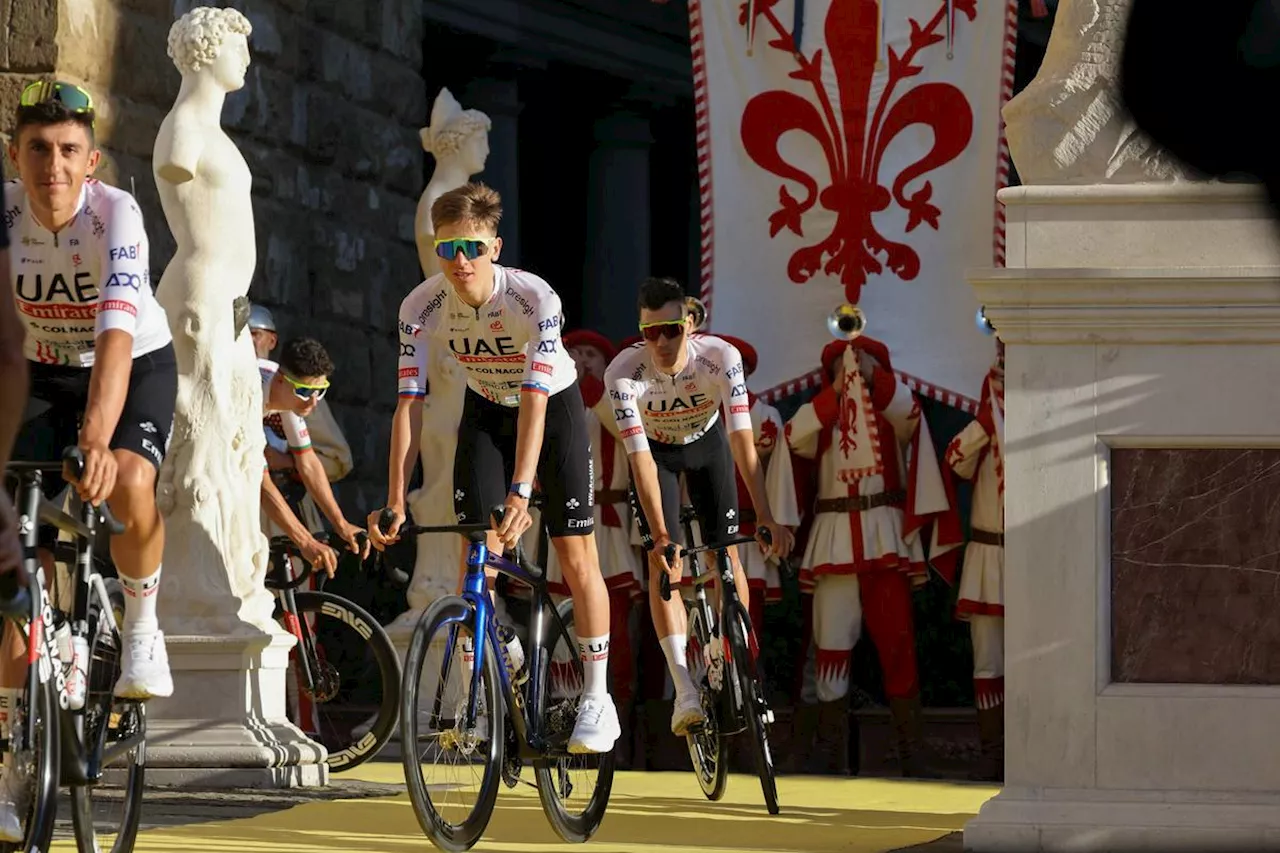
point(508, 344)
point(650, 404)
point(287, 424)
point(89, 278)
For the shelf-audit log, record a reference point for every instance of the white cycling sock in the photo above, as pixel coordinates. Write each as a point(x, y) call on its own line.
point(140, 604)
point(674, 647)
point(594, 653)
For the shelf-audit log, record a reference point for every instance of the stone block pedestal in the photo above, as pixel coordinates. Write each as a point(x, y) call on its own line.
point(1142, 464)
point(225, 725)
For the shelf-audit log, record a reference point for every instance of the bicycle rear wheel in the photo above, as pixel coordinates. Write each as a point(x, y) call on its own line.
point(437, 737)
point(708, 747)
point(574, 819)
point(353, 666)
point(755, 708)
point(106, 813)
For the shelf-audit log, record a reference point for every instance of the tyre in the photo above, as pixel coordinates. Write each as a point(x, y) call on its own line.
point(355, 677)
point(574, 818)
point(432, 736)
point(44, 757)
point(106, 812)
point(754, 707)
point(708, 747)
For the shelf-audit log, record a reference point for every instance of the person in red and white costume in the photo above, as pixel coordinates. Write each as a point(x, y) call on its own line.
point(766, 423)
point(864, 553)
point(977, 454)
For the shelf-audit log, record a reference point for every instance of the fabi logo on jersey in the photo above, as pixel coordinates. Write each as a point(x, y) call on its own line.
point(734, 371)
point(120, 253)
point(406, 329)
point(621, 396)
point(124, 279)
point(546, 347)
point(549, 323)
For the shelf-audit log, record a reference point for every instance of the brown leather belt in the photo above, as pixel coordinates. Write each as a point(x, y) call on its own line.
point(986, 537)
point(605, 497)
point(861, 503)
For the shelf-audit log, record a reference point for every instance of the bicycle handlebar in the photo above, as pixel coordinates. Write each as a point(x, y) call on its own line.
point(664, 582)
point(72, 470)
point(286, 546)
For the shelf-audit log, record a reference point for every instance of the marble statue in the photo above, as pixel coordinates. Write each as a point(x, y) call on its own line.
point(458, 139)
point(208, 491)
point(1069, 126)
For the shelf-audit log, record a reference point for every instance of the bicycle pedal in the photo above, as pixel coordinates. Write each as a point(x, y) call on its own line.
point(768, 717)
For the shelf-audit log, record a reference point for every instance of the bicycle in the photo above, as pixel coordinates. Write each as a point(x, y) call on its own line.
point(733, 698)
point(330, 668)
point(539, 697)
point(101, 731)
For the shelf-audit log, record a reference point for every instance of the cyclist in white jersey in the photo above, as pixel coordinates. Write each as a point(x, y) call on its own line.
point(102, 364)
point(522, 416)
point(668, 392)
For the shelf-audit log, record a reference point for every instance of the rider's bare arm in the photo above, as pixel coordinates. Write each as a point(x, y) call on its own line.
point(108, 386)
point(406, 437)
point(311, 472)
point(279, 511)
point(531, 423)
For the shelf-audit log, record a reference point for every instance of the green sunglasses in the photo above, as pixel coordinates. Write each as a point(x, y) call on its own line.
point(71, 96)
point(470, 247)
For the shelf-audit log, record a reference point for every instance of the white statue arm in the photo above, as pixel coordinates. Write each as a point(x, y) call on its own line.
point(177, 152)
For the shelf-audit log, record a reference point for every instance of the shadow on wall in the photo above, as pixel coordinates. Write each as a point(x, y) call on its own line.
point(328, 123)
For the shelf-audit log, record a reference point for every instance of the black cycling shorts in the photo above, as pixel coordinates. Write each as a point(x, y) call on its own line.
point(486, 456)
point(707, 464)
point(56, 408)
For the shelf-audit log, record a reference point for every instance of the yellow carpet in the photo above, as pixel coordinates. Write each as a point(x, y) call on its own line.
point(648, 813)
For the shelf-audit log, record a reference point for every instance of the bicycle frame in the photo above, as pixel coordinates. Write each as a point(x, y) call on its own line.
point(475, 591)
point(81, 763)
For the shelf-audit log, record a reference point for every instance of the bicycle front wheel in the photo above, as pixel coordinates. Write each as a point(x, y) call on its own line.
point(574, 789)
point(708, 746)
point(106, 812)
point(436, 740)
point(354, 694)
point(755, 708)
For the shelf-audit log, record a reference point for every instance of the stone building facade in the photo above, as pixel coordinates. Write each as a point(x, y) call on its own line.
point(328, 121)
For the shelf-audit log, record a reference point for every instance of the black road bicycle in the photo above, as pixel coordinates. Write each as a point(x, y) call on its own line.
point(97, 747)
point(722, 662)
point(346, 665)
point(489, 722)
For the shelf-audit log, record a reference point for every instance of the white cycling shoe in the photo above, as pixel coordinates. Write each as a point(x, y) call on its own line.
point(144, 667)
point(687, 714)
point(597, 727)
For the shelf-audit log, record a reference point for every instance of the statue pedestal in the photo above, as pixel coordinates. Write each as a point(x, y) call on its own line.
point(1142, 692)
point(225, 725)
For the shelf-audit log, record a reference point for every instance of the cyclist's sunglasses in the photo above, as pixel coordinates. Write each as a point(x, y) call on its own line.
point(306, 392)
point(470, 247)
point(670, 328)
point(71, 96)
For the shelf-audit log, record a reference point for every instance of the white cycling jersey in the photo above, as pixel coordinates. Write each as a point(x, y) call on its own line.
point(648, 403)
point(88, 278)
point(508, 344)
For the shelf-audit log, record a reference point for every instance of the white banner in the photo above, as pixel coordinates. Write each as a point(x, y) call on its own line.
point(860, 168)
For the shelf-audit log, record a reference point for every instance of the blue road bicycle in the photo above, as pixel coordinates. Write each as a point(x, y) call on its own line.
point(485, 722)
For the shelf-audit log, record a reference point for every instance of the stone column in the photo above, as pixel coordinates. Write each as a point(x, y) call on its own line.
point(500, 100)
point(1140, 314)
point(617, 250)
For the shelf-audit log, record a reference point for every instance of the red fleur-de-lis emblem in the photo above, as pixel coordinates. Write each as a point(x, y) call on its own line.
point(854, 145)
point(768, 435)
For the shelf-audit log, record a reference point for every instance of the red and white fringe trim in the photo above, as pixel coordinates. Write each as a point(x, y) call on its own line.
point(702, 130)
